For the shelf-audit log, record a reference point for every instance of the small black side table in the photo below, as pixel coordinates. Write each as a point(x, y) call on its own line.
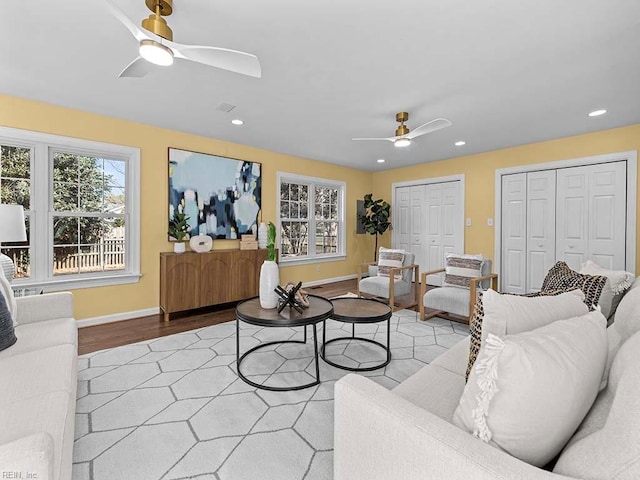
point(250, 312)
point(358, 310)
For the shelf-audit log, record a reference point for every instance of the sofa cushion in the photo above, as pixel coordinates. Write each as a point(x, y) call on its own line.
point(7, 333)
point(509, 314)
point(459, 269)
point(433, 388)
point(562, 277)
point(528, 393)
point(31, 455)
point(454, 359)
point(49, 333)
point(387, 258)
point(48, 370)
point(618, 282)
point(606, 446)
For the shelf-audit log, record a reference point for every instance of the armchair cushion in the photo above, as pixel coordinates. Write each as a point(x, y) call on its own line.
point(562, 277)
point(387, 258)
point(528, 393)
point(379, 286)
point(460, 268)
point(447, 299)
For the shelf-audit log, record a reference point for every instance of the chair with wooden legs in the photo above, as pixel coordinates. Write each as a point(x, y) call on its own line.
point(456, 300)
point(387, 287)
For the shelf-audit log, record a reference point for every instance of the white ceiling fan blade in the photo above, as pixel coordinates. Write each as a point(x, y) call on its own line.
point(137, 69)
point(389, 139)
point(126, 21)
point(232, 60)
point(432, 126)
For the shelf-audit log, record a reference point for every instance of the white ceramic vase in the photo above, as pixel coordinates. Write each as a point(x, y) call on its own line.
point(269, 280)
point(262, 235)
point(179, 247)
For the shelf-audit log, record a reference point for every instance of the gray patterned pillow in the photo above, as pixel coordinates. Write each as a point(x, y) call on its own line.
point(7, 332)
point(388, 258)
point(459, 269)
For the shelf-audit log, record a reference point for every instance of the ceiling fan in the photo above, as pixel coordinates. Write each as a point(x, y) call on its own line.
point(157, 46)
point(404, 136)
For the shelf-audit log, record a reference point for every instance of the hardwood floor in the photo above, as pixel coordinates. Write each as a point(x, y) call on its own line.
point(109, 335)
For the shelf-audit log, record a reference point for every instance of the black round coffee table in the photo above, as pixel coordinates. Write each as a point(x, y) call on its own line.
point(250, 312)
point(358, 310)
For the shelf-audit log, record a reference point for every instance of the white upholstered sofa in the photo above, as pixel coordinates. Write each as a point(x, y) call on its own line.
point(38, 375)
point(407, 433)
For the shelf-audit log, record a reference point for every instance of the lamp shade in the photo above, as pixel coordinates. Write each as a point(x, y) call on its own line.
point(12, 228)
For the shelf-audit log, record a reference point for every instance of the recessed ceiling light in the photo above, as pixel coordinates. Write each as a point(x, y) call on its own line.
point(380, 160)
point(597, 113)
point(237, 121)
point(460, 143)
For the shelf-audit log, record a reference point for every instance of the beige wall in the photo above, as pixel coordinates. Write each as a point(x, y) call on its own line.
point(479, 171)
point(153, 143)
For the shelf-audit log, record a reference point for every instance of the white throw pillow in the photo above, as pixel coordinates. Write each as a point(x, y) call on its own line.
point(511, 314)
point(7, 292)
point(618, 281)
point(528, 393)
point(387, 258)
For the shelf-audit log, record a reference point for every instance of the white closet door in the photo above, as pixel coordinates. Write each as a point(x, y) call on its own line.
point(572, 220)
point(402, 223)
point(514, 237)
point(607, 217)
point(452, 219)
point(541, 227)
point(434, 249)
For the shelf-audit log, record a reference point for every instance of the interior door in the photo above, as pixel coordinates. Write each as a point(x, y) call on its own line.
point(541, 227)
point(435, 252)
point(514, 236)
point(402, 221)
point(572, 219)
point(607, 215)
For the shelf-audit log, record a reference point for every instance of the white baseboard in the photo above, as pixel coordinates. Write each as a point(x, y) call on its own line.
point(117, 317)
point(329, 280)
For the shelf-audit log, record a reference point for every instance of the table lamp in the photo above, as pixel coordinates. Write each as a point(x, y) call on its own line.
point(12, 229)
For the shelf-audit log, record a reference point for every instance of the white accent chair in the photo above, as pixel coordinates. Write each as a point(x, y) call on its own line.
point(387, 287)
point(456, 300)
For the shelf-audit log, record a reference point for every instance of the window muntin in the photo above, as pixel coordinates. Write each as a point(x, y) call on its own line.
point(81, 201)
point(311, 213)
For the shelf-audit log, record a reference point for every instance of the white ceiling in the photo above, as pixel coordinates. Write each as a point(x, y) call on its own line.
point(504, 72)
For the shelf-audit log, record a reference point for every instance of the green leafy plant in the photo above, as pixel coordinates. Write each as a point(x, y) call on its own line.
point(376, 218)
point(178, 226)
point(271, 242)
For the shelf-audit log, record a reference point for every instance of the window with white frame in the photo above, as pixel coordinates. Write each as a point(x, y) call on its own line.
point(81, 209)
point(311, 218)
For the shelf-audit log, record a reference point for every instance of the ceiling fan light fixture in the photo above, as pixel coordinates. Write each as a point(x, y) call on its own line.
point(156, 53)
point(401, 142)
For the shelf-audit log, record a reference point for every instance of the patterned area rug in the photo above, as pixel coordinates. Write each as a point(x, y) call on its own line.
point(173, 408)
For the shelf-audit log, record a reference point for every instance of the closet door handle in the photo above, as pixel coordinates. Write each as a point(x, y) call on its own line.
point(571, 246)
point(540, 245)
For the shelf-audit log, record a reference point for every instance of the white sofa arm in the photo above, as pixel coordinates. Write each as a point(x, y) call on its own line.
point(49, 306)
point(379, 435)
point(28, 457)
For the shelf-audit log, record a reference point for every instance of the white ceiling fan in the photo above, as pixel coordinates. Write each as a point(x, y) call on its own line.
point(403, 135)
point(157, 46)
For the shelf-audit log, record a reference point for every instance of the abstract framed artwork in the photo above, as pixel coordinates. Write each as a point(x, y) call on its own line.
point(221, 196)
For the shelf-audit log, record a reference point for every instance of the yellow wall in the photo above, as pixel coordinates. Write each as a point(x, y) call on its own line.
point(479, 171)
point(153, 143)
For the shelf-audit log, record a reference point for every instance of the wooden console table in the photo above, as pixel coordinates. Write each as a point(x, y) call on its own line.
point(193, 280)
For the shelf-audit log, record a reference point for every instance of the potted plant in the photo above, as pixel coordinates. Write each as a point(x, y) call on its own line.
point(375, 219)
point(179, 229)
point(269, 272)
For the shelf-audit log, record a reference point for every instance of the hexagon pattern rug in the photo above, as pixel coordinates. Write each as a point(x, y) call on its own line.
point(173, 407)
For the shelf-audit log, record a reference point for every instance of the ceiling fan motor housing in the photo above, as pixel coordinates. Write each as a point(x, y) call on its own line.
point(402, 129)
point(155, 23)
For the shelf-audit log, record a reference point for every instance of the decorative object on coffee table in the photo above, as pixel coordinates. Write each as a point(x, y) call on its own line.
point(179, 231)
point(251, 312)
point(201, 243)
point(269, 272)
point(358, 310)
point(292, 296)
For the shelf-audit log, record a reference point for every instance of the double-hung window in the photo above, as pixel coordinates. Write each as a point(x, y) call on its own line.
point(81, 203)
point(311, 218)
